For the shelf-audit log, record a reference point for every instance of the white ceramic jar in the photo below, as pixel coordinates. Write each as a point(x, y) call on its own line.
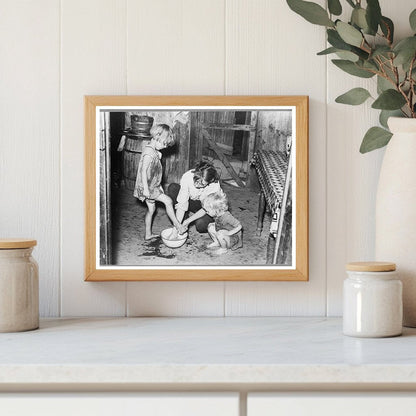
point(372, 300)
point(19, 286)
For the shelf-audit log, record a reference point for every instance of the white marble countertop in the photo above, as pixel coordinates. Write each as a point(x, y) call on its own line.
point(189, 352)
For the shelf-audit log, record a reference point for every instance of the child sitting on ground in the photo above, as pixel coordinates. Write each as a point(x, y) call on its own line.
point(149, 177)
point(226, 230)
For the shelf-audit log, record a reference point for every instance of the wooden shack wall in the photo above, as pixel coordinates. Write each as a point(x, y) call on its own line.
point(273, 129)
point(223, 138)
point(176, 158)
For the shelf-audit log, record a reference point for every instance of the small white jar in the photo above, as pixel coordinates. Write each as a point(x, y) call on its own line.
point(19, 286)
point(372, 300)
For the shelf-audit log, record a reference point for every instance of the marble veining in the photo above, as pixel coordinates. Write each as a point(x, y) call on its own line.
point(203, 350)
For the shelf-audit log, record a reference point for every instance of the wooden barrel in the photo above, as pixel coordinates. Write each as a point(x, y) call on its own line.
point(131, 158)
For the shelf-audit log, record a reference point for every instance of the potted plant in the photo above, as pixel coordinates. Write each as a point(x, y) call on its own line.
point(364, 46)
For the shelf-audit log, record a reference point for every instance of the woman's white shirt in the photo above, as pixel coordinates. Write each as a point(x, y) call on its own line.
point(189, 191)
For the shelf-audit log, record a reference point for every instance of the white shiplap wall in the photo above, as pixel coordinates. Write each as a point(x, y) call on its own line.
point(55, 52)
point(30, 135)
point(351, 177)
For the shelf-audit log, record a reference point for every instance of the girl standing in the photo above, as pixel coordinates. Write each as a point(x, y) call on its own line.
point(148, 186)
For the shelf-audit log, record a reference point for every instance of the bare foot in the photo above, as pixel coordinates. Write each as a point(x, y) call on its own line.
point(220, 251)
point(213, 245)
point(149, 237)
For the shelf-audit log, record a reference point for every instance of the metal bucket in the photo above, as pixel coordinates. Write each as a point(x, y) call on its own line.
point(141, 124)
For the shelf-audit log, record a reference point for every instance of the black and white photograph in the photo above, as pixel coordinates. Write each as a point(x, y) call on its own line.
point(213, 187)
point(196, 187)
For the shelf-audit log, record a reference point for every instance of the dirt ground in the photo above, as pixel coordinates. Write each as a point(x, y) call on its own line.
point(130, 248)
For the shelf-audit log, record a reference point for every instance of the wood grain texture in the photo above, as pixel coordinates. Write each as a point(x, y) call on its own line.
point(29, 117)
point(93, 56)
point(263, 57)
point(353, 177)
point(13, 243)
point(301, 266)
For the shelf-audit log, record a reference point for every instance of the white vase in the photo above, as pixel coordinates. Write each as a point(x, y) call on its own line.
point(396, 210)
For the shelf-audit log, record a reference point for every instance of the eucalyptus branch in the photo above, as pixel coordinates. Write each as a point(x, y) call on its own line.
point(384, 73)
point(412, 83)
point(364, 49)
point(395, 71)
point(382, 35)
point(406, 97)
point(368, 34)
point(370, 70)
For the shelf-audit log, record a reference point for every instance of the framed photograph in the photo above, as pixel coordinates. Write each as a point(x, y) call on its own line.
point(196, 188)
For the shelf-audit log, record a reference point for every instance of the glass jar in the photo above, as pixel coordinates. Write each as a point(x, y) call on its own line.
point(372, 300)
point(19, 286)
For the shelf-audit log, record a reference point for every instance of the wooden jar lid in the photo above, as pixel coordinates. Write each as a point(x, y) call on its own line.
point(11, 243)
point(371, 266)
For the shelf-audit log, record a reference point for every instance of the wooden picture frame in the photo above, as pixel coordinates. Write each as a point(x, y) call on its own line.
point(273, 127)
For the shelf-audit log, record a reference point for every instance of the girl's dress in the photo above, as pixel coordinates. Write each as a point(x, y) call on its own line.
point(153, 175)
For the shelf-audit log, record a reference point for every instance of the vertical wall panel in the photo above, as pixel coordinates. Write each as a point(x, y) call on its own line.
point(93, 63)
point(353, 177)
point(272, 51)
point(29, 140)
point(54, 53)
point(175, 48)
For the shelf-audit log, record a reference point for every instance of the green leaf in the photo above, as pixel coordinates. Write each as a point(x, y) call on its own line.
point(387, 27)
point(358, 18)
point(362, 54)
point(334, 7)
point(348, 56)
point(370, 64)
point(381, 50)
point(373, 15)
point(405, 50)
point(383, 84)
point(349, 34)
point(389, 100)
point(375, 138)
point(328, 51)
point(356, 96)
point(405, 43)
point(386, 114)
point(352, 68)
point(311, 12)
point(412, 20)
point(335, 40)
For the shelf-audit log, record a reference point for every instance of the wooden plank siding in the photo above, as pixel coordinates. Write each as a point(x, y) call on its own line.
point(184, 55)
point(56, 51)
